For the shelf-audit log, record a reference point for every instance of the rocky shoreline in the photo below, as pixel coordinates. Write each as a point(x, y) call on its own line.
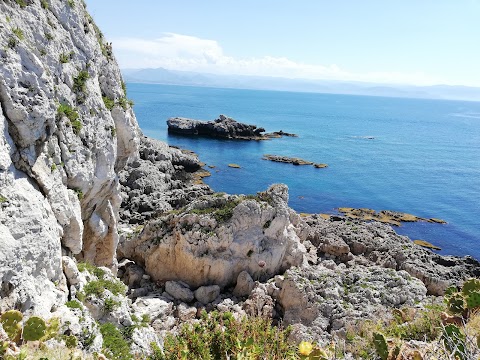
point(224, 127)
point(109, 241)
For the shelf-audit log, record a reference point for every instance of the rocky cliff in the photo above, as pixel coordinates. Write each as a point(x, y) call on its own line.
point(66, 130)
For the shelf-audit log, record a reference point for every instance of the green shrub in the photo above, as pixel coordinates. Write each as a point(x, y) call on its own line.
point(44, 4)
point(85, 266)
point(65, 58)
point(220, 336)
point(71, 3)
point(12, 43)
point(109, 305)
point(68, 111)
point(3, 199)
point(77, 126)
point(22, 3)
point(97, 287)
point(221, 214)
point(73, 304)
point(18, 33)
point(114, 343)
point(48, 36)
point(79, 82)
point(109, 103)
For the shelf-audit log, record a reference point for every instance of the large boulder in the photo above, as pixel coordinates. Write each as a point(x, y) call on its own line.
point(217, 237)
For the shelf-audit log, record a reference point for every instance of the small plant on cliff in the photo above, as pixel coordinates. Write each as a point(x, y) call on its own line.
point(65, 57)
point(71, 3)
point(80, 81)
point(68, 111)
point(18, 33)
point(109, 103)
point(44, 4)
point(21, 3)
point(3, 199)
point(97, 287)
point(73, 304)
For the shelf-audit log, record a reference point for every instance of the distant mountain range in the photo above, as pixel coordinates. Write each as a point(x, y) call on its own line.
point(174, 77)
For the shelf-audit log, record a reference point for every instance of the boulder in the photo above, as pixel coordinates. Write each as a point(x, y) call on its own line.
point(245, 284)
point(206, 294)
point(179, 291)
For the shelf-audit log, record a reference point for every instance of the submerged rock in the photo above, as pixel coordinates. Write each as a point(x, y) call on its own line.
point(292, 160)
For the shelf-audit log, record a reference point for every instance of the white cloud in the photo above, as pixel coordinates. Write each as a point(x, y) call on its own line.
point(189, 53)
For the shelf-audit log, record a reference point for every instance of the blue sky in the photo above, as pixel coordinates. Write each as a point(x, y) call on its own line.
point(420, 42)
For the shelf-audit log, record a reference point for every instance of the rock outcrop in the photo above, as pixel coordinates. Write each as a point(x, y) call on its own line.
point(60, 148)
point(376, 244)
point(223, 127)
point(162, 178)
point(292, 160)
point(215, 238)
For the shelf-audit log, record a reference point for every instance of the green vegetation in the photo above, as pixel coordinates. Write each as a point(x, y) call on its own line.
point(73, 304)
point(71, 3)
point(3, 199)
point(68, 111)
point(79, 193)
point(220, 336)
point(48, 36)
point(109, 103)
point(66, 57)
point(109, 305)
point(12, 43)
point(124, 88)
point(53, 167)
point(97, 287)
point(77, 126)
point(115, 345)
point(221, 214)
point(22, 3)
point(44, 4)
point(79, 82)
point(18, 33)
point(85, 266)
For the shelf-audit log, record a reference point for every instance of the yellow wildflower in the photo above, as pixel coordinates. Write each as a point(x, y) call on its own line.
point(305, 348)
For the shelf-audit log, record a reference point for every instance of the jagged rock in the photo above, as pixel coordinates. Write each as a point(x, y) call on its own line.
point(217, 237)
point(179, 291)
point(153, 306)
point(133, 276)
point(259, 303)
point(323, 300)
point(160, 179)
point(58, 174)
point(206, 294)
point(185, 312)
point(373, 243)
point(70, 270)
point(142, 339)
point(245, 284)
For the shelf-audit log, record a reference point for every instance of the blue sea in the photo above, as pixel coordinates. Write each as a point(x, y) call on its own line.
point(410, 155)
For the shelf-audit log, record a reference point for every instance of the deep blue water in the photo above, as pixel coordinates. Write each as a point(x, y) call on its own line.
point(424, 158)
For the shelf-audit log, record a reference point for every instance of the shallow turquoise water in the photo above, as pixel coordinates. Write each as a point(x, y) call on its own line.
point(424, 158)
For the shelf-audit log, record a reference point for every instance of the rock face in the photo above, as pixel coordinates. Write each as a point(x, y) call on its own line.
point(162, 178)
point(223, 127)
point(60, 148)
point(216, 237)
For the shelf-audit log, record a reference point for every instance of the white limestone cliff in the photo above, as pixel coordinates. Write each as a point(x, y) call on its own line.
point(60, 148)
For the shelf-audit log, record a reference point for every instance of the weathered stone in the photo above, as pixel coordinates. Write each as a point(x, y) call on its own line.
point(245, 284)
point(206, 294)
point(179, 291)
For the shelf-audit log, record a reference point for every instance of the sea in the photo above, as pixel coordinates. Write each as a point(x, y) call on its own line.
point(410, 155)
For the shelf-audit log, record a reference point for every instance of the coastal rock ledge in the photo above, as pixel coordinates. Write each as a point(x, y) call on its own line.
point(223, 127)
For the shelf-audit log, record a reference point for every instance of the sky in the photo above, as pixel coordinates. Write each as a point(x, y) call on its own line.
point(419, 42)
